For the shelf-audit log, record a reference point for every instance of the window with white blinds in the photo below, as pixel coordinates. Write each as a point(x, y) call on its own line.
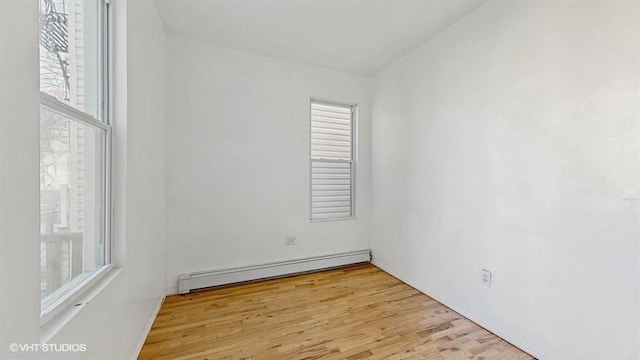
point(332, 161)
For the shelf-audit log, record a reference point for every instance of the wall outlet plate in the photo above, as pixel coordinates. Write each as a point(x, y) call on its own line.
point(289, 240)
point(485, 277)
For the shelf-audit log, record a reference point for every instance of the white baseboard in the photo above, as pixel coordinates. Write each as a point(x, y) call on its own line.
point(469, 315)
point(147, 329)
point(205, 279)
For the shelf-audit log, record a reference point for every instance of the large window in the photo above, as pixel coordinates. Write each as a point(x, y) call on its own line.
point(332, 160)
point(74, 148)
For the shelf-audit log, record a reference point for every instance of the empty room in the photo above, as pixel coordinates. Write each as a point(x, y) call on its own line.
point(320, 179)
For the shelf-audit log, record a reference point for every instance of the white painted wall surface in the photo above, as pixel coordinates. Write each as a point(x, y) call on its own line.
point(511, 142)
point(237, 152)
point(114, 322)
point(19, 175)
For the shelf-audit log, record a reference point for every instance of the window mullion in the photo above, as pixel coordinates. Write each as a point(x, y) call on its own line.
point(57, 106)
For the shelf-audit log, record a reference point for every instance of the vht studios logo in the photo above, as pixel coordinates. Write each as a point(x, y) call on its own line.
point(47, 347)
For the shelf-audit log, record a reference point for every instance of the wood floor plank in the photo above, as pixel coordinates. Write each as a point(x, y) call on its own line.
point(358, 312)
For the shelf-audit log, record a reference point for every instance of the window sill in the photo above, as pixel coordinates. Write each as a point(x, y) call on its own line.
point(53, 321)
point(332, 220)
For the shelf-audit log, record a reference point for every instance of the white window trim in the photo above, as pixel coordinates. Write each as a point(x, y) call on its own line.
point(98, 278)
point(67, 313)
point(353, 161)
point(68, 111)
point(70, 297)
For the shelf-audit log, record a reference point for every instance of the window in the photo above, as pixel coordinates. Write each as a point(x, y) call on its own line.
point(74, 148)
point(332, 160)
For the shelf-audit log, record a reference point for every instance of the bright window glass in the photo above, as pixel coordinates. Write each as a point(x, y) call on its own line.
point(72, 198)
point(70, 52)
point(74, 147)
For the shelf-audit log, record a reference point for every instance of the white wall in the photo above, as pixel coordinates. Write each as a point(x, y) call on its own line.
point(19, 175)
point(114, 322)
point(237, 158)
point(511, 142)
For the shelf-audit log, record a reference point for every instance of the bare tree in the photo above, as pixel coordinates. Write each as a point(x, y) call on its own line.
point(54, 80)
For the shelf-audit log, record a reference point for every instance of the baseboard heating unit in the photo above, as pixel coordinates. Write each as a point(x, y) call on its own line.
point(206, 279)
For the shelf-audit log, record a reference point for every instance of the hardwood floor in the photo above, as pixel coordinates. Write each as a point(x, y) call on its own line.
point(359, 312)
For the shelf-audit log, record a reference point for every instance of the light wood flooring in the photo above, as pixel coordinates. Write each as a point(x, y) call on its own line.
point(358, 312)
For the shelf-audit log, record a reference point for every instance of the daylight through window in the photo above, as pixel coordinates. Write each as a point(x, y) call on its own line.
point(74, 147)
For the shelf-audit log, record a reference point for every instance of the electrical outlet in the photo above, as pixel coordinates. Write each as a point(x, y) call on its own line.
point(485, 277)
point(289, 240)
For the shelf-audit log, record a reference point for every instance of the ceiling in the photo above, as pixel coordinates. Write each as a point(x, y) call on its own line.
point(359, 37)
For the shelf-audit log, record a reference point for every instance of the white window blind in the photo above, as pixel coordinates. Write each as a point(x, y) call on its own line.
point(332, 161)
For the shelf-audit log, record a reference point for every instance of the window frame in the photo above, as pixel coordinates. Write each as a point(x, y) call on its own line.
point(352, 161)
point(70, 297)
